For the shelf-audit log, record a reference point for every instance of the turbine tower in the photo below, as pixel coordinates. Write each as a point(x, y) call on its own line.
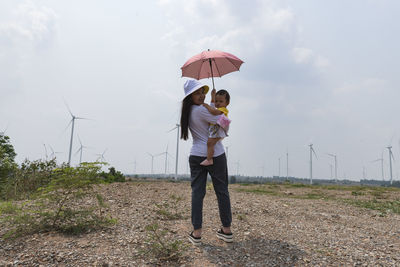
point(45, 148)
point(152, 160)
point(166, 158)
point(72, 131)
point(381, 160)
point(237, 168)
point(287, 165)
point(53, 154)
point(101, 156)
point(311, 153)
point(177, 148)
point(80, 150)
point(279, 167)
point(335, 157)
point(390, 161)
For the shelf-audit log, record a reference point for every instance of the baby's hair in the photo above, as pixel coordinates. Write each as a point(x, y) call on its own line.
point(225, 94)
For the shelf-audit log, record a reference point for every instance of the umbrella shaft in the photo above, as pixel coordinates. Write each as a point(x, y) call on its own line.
point(212, 75)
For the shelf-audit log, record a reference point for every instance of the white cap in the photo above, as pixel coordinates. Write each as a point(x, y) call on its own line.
point(192, 85)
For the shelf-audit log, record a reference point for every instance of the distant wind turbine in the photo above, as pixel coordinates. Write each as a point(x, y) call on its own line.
point(45, 150)
point(166, 158)
point(390, 161)
point(287, 164)
point(177, 149)
point(335, 157)
point(279, 167)
point(53, 154)
point(101, 156)
point(134, 169)
point(152, 160)
point(311, 153)
point(80, 150)
point(237, 167)
point(381, 160)
point(72, 130)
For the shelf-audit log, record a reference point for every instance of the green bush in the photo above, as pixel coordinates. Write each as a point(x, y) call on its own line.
point(27, 179)
point(67, 203)
point(7, 157)
point(162, 246)
point(112, 176)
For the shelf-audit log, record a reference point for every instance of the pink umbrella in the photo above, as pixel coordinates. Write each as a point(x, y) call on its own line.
point(212, 64)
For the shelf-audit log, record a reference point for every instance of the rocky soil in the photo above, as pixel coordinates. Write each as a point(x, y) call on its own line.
point(269, 230)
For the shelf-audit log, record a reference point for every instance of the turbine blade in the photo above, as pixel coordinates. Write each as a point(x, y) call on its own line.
point(79, 140)
point(172, 129)
point(69, 110)
point(76, 151)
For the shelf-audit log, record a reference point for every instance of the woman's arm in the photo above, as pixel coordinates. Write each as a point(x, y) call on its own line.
point(212, 110)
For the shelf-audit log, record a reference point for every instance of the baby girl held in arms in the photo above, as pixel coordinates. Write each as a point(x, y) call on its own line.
point(216, 132)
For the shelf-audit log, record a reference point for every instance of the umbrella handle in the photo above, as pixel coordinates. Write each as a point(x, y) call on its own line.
point(212, 75)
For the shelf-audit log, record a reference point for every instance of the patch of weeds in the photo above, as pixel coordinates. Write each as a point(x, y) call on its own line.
point(209, 186)
point(8, 207)
point(382, 206)
point(66, 204)
point(257, 190)
point(161, 245)
point(290, 185)
point(169, 210)
point(357, 193)
point(241, 217)
point(314, 195)
point(378, 194)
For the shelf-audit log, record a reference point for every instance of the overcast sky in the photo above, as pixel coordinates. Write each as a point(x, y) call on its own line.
point(321, 72)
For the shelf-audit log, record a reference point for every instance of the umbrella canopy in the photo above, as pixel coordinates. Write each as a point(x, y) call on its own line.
point(212, 64)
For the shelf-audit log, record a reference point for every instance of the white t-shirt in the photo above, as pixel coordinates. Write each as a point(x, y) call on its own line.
point(199, 119)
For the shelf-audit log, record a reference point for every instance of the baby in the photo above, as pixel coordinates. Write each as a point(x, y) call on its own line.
point(218, 131)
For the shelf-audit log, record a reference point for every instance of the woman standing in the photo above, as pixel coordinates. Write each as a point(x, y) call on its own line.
point(196, 118)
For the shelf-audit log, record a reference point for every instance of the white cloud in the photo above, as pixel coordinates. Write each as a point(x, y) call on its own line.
point(30, 23)
point(368, 85)
point(28, 27)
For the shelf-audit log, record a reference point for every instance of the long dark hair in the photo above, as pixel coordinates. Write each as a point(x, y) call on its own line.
point(185, 114)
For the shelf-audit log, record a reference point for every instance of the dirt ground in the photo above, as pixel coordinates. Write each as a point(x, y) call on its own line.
point(272, 226)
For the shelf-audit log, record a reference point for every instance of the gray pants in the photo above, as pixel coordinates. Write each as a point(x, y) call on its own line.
point(219, 177)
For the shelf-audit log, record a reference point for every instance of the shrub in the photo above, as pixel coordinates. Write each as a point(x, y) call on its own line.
point(162, 246)
point(67, 203)
point(112, 176)
point(27, 179)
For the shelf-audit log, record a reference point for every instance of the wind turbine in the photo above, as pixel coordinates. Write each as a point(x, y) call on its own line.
point(311, 153)
point(177, 149)
point(166, 158)
point(134, 170)
point(381, 160)
point(152, 159)
point(72, 131)
point(335, 157)
point(390, 161)
point(53, 154)
point(81, 150)
point(237, 168)
point(101, 156)
point(287, 164)
point(364, 172)
point(279, 167)
point(45, 149)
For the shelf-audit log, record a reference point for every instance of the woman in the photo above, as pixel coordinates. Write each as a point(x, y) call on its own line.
point(197, 118)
